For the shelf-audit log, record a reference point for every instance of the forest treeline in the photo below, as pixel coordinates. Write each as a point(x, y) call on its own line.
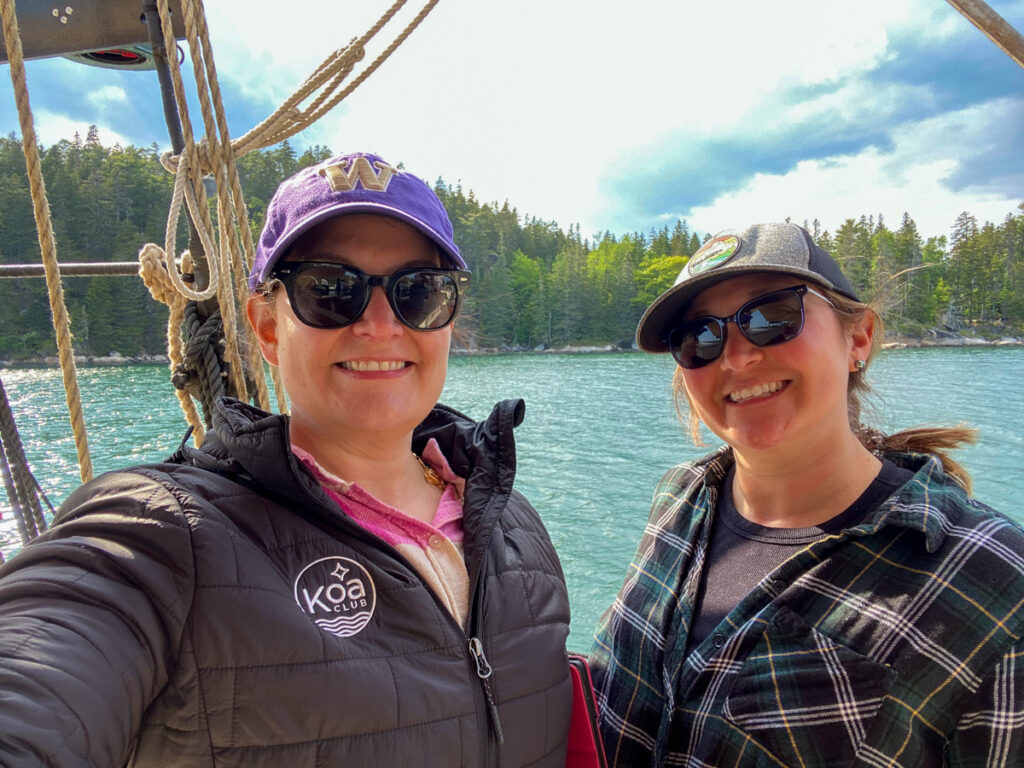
point(534, 283)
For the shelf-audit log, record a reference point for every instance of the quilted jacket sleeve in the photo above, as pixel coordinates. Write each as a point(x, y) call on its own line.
point(91, 619)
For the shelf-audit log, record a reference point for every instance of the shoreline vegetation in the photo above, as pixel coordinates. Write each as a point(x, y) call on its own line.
point(934, 338)
point(536, 286)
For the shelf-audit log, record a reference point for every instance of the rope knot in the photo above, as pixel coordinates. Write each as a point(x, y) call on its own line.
point(356, 53)
point(203, 370)
point(170, 161)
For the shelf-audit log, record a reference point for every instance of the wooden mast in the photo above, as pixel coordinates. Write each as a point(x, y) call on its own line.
point(994, 26)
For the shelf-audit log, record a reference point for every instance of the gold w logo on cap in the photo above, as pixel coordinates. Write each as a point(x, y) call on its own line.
point(359, 172)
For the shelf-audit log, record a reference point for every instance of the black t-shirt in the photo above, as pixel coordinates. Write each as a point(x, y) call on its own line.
point(742, 553)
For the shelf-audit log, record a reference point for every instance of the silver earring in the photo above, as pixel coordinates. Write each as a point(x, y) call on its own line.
point(860, 365)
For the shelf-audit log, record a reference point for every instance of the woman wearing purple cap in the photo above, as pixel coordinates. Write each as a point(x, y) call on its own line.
point(815, 592)
point(357, 584)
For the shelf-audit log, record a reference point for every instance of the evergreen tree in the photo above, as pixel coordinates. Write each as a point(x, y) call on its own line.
point(660, 243)
point(495, 305)
point(907, 261)
point(852, 249)
point(962, 270)
point(525, 284)
point(935, 291)
point(569, 285)
point(679, 245)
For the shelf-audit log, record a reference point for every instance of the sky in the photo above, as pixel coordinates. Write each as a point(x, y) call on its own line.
point(625, 117)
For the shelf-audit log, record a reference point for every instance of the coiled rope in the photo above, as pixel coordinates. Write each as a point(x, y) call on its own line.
point(161, 285)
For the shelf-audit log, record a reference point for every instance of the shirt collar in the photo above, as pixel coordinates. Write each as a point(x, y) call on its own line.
point(432, 457)
point(922, 504)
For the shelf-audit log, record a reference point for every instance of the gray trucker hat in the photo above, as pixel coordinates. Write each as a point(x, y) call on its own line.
point(775, 247)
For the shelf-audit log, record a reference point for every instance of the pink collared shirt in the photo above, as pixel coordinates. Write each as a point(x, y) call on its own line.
point(434, 549)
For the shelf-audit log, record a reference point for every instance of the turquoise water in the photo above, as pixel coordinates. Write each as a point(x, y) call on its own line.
point(600, 430)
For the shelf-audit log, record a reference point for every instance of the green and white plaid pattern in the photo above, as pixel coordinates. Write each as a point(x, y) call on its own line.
point(899, 642)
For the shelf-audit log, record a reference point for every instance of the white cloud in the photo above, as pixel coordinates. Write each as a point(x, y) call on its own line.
point(905, 179)
point(487, 93)
point(107, 97)
point(51, 127)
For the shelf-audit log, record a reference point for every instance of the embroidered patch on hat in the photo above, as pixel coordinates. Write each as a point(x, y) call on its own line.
point(714, 253)
point(374, 177)
point(338, 594)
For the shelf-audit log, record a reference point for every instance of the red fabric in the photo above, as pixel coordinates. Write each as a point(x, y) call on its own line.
point(585, 750)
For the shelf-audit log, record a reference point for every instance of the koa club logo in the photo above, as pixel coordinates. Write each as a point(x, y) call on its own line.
point(338, 594)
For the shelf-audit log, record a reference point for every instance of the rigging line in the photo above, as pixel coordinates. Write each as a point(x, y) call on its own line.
point(73, 269)
point(249, 374)
point(232, 261)
point(22, 487)
point(47, 244)
point(225, 261)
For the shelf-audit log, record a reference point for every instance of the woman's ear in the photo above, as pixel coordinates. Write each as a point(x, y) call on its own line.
point(862, 335)
point(261, 311)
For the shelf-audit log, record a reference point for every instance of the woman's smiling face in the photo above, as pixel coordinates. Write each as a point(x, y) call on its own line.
point(791, 394)
point(372, 379)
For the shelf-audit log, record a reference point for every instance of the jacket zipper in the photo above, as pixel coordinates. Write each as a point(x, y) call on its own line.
point(483, 671)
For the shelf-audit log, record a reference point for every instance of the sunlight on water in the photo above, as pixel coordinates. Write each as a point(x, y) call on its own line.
point(599, 432)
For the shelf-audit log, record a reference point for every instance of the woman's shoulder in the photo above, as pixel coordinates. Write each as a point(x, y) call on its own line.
point(937, 503)
point(933, 487)
point(138, 488)
point(167, 491)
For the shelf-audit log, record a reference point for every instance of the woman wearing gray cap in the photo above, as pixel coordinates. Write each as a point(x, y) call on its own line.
point(813, 593)
point(357, 584)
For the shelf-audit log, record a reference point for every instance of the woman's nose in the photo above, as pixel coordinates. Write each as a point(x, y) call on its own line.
point(377, 319)
point(738, 352)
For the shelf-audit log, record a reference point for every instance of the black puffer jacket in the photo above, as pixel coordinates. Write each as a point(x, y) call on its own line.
point(221, 610)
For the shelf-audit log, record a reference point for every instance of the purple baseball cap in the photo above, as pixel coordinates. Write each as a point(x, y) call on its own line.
point(356, 183)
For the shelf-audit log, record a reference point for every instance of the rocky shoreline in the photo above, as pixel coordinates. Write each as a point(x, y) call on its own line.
point(86, 361)
point(938, 338)
point(934, 338)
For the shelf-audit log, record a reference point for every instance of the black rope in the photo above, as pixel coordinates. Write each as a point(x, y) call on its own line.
point(12, 497)
point(202, 372)
point(23, 490)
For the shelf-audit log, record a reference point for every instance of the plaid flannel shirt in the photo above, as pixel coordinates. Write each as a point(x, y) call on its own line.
point(898, 642)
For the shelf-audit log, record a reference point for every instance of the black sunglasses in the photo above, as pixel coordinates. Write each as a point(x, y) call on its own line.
point(332, 295)
point(766, 320)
